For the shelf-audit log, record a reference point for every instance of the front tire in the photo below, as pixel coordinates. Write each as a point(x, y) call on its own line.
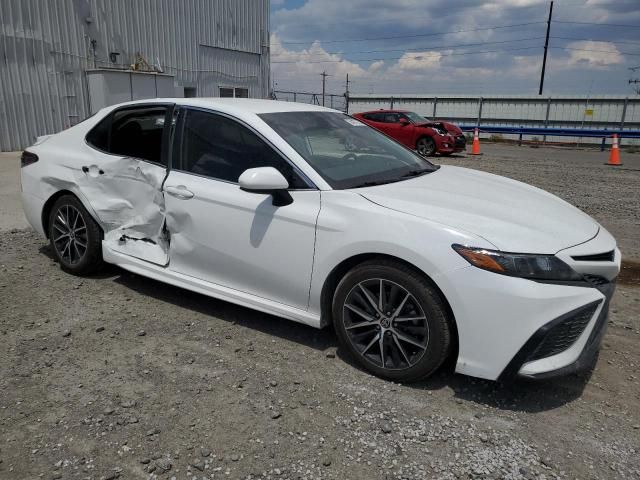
point(76, 239)
point(391, 321)
point(426, 146)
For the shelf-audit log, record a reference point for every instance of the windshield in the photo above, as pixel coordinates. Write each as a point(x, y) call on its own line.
point(344, 151)
point(415, 118)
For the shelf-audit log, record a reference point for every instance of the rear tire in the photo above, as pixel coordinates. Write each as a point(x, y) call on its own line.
point(426, 146)
point(76, 239)
point(404, 337)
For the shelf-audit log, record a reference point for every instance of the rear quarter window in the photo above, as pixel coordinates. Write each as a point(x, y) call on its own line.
point(98, 137)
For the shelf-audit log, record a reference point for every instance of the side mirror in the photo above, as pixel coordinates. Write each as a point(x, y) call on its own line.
point(266, 180)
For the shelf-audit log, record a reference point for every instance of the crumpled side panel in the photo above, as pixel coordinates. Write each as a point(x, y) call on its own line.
point(126, 195)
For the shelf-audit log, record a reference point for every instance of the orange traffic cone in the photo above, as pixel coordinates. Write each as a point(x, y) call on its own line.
point(614, 156)
point(475, 148)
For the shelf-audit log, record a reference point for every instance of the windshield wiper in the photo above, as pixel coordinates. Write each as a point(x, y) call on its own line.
point(416, 173)
point(409, 174)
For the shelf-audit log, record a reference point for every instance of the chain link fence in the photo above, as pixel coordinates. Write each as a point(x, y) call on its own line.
point(331, 100)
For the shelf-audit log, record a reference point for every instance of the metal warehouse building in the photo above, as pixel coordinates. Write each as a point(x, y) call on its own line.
point(63, 60)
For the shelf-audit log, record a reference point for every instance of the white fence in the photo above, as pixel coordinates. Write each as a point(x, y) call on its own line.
point(575, 111)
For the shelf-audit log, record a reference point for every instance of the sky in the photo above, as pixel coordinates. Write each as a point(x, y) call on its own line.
point(455, 46)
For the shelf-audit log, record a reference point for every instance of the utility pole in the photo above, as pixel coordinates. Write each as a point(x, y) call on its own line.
point(324, 79)
point(346, 96)
point(635, 81)
point(546, 47)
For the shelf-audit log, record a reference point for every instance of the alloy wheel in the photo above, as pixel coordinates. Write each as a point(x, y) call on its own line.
point(386, 324)
point(426, 147)
point(70, 234)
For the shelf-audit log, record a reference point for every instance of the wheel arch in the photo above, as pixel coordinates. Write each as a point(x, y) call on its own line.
point(331, 282)
point(422, 135)
point(48, 205)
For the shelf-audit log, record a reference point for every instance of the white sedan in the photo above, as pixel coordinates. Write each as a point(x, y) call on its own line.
point(306, 213)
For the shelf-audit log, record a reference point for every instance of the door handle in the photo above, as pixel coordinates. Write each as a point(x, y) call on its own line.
point(179, 191)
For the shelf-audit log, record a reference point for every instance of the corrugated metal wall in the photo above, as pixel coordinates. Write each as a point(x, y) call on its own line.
point(574, 111)
point(46, 47)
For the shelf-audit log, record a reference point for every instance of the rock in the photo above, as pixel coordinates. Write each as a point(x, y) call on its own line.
point(163, 464)
point(235, 457)
point(330, 354)
point(275, 415)
point(326, 462)
point(141, 333)
point(128, 403)
point(99, 329)
point(205, 452)
point(153, 431)
point(145, 461)
point(483, 438)
point(66, 333)
point(273, 383)
point(198, 464)
point(108, 411)
point(385, 427)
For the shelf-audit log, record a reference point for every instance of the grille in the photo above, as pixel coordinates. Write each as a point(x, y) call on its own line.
point(461, 141)
point(596, 257)
point(563, 335)
point(596, 280)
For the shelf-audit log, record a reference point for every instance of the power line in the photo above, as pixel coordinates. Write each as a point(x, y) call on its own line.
point(598, 51)
point(410, 36)
point(417, 57)
point(599, 24)
point(413, 49)
point(596, 40)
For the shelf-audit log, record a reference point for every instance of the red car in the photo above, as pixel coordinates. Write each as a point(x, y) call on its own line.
point(416, 132)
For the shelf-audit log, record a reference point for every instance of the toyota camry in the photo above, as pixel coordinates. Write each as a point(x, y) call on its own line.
point(309, 214)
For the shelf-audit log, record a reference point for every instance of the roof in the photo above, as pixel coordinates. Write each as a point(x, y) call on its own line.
point(235, 106)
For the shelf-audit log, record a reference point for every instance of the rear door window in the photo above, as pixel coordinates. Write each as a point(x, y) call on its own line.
point(137, 132)
point(132, 132)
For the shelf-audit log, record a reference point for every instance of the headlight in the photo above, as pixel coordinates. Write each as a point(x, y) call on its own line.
point(524, 265)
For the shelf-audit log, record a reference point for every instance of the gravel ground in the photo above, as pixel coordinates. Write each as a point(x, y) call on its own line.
point(118, 376)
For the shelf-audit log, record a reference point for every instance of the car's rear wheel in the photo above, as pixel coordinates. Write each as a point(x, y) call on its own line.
point(426, 146)
point(391, 320)
point(75, 236)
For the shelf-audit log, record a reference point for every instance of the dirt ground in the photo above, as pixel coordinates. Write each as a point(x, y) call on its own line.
point(118, 376)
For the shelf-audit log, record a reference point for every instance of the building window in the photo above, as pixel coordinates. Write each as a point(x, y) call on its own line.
point(242, 92)
point(229, 92)
point(226, 92)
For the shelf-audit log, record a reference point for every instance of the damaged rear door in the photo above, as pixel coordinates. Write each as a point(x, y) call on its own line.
point(123, 176)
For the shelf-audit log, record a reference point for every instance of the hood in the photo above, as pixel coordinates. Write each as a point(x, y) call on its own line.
point(446, 126)
point(513, 216)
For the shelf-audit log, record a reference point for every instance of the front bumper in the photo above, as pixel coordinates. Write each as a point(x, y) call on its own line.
point(460, 143)
point(586, 345)
point(497, 316)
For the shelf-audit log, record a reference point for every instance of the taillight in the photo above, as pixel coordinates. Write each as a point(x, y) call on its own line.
point(28, 158)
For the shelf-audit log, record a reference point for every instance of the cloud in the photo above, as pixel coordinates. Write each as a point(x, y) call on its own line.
point(401, 47)
point(594, 54)
point(419, 61)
